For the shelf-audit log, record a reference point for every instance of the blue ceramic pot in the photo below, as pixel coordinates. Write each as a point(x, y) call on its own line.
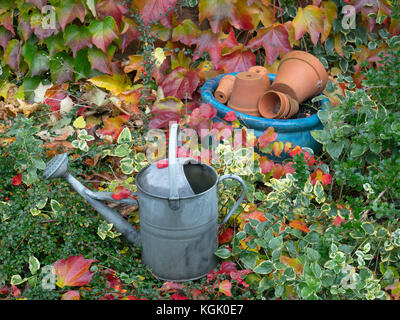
point(296, 131)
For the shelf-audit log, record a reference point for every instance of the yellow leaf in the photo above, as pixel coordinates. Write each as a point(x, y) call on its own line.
point(159, 56)
point(79, 123)
point(116, 83)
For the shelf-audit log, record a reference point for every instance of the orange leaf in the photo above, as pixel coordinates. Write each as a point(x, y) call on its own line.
point(225, 287)
point(294, 263)
point(277, 148)
point(311, 20)
point(73, 271)
point(300, 225)
point(113, 126)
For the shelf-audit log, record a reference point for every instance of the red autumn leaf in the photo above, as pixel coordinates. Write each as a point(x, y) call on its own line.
point(230, 116)
point(5, 37)
point(267, 137)
point(370, 9)
point(170, 286)
point(121, 192)
point(155, 10)
point(112, 8)
point(257, 215)
point(4, 290)
point(7, 21)
point(68, 11)
point(237, 275)
point(176, 296)
point(266, 165)
point(300, 225)
point(100, 61)
point(338, 221)
point(221, 13)
point(225, 287)
point(77, 38)
point(239, 60)
point(71, 295)
point(211, 275)
point(73, 271)
point(204, 40)
point(16, 180)
point(15, 291)
point(278, 171)
point(274, 39)
point(319, 175)
point(162, 164)
point(227, 267)
point(180, 83)
point(113, 126)
point(129, 33)
point(289, 168)
point(207, 111)
point(54, 95)
point(226, 236)
point(295, 150)
point(103, 32)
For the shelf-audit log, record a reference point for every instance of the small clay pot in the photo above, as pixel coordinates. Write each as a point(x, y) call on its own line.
point(300, 75)
point(275, 104)
point(247, 90)
point(249, 112)
point(294, 108)
point(224, 89)
point(264, 73)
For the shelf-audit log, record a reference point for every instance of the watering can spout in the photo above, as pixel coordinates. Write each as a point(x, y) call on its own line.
point(58, 168)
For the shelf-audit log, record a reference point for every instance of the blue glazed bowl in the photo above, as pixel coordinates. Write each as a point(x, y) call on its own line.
point(296, 131)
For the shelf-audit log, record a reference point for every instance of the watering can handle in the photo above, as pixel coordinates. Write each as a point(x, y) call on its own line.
point(239, 201)
point(172, 167)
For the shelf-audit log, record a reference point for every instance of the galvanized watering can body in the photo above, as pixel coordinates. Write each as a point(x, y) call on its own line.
point(178, 233)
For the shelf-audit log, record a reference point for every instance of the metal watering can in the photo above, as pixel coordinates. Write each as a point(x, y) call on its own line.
point(178, 212)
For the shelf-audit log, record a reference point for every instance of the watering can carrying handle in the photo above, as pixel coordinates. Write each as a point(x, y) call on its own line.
point(172, 167)
point(239, 201)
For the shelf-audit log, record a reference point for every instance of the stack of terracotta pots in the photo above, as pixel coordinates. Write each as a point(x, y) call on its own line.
point(300, 76)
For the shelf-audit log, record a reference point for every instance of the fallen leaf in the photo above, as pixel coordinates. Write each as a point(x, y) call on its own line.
point(225, 287)
point(73, 271)
point(71, 295)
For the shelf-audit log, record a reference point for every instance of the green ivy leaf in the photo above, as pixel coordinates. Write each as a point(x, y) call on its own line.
point(264, 267)
point(34, 264)
point(223, 253)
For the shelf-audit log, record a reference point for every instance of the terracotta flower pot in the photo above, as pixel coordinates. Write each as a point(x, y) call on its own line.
point(277, 105)
point(224, 89)
point(264, 73)
point(246, 92)
point(300, 75)
point(294, 108)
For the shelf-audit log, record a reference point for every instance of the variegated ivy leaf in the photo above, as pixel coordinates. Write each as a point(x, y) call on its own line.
point(121, 151)
point(56, 207)
point(41, 204)
point(125, 136)
point(126, 165)
point(83, 135)
point(81, 145)
point(35, 212)
point(34, 264)
point(104, 230)
point(319, 192)
point(17, 280)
